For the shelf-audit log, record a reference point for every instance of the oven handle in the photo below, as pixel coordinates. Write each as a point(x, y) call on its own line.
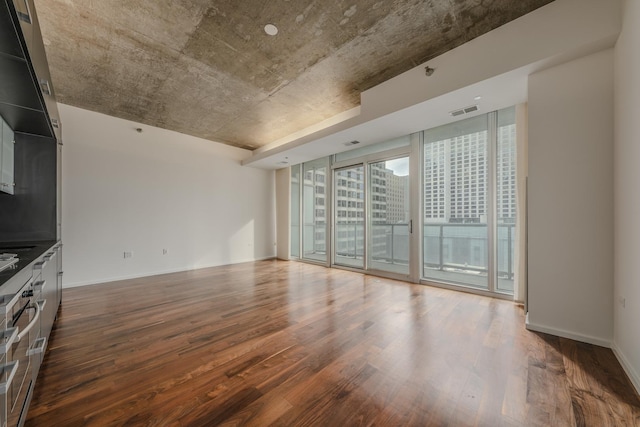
point(4, 387)
point(31, 324)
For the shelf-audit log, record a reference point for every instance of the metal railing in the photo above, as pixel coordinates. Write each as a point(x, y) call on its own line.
point(316, 247)
point(446, 246)
point(349, 240)
point(464, 247)
point(389, 242)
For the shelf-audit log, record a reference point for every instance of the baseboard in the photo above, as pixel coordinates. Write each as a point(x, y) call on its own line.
point(125, 277)
point(567, 334)
point(633, 375)
point(154, 273)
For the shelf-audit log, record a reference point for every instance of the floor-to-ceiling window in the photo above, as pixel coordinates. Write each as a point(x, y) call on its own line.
point(388, 198)
point(315, 199)
point(357, 206)
point(506, 212)
point(295, 212)
point(469, 202)
point(455, 203)
point(349, 228)
point(371, 208)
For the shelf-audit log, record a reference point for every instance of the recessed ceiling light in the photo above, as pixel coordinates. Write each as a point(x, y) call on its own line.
point(478, 98)
point(271, 29)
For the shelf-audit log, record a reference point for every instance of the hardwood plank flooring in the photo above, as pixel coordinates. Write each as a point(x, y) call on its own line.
point(291, 344)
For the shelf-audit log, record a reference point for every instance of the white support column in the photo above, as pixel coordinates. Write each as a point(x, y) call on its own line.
point(283, 213)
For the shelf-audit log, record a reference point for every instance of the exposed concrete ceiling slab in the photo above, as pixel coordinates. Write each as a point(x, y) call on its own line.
point(207, 68)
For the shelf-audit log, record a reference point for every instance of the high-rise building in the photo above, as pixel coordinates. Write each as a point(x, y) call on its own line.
point(455, 178)
point(506, 174)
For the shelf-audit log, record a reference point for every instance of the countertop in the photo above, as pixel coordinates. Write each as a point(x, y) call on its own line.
point(27, 253)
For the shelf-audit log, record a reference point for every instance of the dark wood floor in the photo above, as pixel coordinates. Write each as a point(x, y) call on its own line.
point(285, 343)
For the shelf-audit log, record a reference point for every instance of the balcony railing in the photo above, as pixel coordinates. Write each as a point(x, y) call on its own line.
point(464, 248)
point(389, 242)
point(446, 247)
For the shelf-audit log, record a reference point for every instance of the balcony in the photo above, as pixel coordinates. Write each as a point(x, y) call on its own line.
point(458, 253)
point(453, 253)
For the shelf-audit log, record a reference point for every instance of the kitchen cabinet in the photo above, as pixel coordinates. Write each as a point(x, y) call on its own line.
point(59, 274)
point(32, 291)
point(9, 43)
point(40, 64)
point(48, 267)
point(7, 143)
point(27, 104)
point(27, 97)
point(23, 10)
point(28, 307)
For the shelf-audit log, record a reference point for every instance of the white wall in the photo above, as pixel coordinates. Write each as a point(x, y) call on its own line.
point(145, 192)
point(627, 197)
point(571, 200)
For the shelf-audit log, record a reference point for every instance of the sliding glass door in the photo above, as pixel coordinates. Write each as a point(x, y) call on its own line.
point(389, 215)
point(349, 225)
point(371, 228)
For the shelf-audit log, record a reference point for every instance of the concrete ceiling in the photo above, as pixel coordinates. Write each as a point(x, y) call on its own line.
point(207, 68)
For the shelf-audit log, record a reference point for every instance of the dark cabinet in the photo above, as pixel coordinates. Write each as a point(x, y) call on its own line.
point(17, 87)
point(9, 43)
point(40, 64)
point(23, 11)
point(27, 97)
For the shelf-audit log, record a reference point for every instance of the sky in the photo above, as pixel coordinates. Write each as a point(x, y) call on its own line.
point(399, 166)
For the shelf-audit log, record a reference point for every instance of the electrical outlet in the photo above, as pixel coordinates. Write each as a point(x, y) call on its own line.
point(128, 254)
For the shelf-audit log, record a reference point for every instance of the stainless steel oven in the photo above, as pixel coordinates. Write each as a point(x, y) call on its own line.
point(20, 320)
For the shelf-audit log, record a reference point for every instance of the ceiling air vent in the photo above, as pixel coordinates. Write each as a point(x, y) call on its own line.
point(465, 110)
point(351, 143)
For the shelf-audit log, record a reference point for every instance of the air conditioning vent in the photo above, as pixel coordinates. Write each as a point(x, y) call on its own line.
point(465, 110)
point(351, 143)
